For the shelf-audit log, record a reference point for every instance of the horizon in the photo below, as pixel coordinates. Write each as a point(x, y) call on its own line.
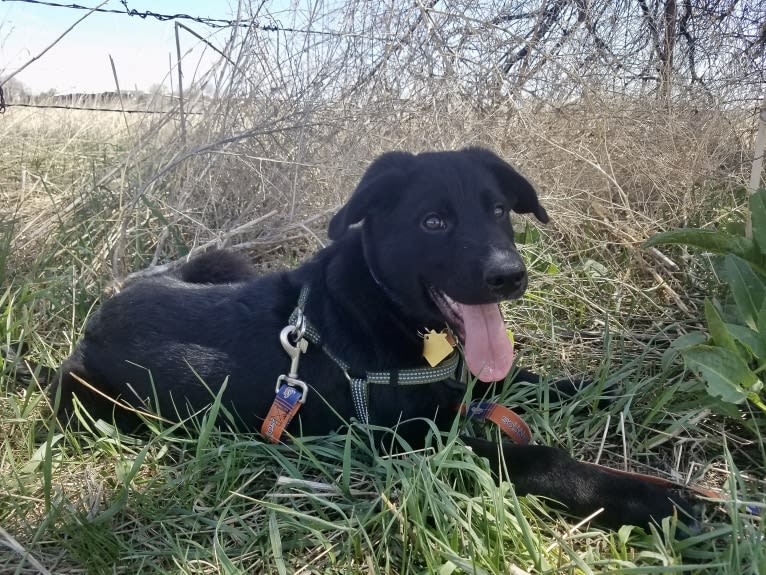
point(80, 63)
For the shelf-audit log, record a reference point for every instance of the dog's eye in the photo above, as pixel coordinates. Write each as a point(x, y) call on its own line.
point(499, 210)
point(434, 222)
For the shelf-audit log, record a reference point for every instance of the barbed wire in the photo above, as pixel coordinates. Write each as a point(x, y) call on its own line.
point(5, 105)
point(210, 22)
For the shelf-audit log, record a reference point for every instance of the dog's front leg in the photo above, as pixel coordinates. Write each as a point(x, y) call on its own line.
point(580, 488)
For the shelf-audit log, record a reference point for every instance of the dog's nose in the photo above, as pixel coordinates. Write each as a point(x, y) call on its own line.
point(505, 277)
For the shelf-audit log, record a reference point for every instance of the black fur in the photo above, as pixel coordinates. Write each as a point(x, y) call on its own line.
point(164, 336)
point(216, 267)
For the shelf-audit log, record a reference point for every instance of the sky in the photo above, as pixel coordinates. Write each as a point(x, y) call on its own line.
point(80, 62)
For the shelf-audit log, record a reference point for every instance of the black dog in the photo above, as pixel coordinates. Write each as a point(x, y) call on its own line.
point(425, 242)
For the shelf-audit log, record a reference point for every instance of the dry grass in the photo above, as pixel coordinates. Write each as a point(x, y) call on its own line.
point(623, 167)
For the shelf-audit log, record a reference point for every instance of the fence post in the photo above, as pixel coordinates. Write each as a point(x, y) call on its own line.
point(180, 88)
point(755, 172)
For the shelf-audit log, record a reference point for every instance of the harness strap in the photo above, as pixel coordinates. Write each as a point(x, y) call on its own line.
point(360, 396)
point(360, 382)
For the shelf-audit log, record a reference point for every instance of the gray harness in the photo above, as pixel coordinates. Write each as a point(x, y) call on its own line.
point(360, 385)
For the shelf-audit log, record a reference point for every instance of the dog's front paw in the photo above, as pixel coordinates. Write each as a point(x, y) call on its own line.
point(639, 502)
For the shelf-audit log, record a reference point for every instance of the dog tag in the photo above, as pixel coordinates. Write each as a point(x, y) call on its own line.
point(436, 347)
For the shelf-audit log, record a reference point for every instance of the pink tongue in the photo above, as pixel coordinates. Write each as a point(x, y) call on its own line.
point(488, 349)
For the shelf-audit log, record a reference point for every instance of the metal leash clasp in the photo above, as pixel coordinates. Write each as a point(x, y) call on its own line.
point(294, 351)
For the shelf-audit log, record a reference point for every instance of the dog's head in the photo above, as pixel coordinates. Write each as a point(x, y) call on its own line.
point(437, 237)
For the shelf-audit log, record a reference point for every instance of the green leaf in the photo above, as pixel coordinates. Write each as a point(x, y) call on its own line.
point(757, 401)
point(752, 340)
point(678, 345)
point(717, 327)
point(688, 340)
point(727, 376)
point(529, 235)
point(735, 228)
point(595, 269)
point(746, 287)
point(711, 240)
point(758, 217)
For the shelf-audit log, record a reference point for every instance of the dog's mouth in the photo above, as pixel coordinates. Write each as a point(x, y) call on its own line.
point(487, 347)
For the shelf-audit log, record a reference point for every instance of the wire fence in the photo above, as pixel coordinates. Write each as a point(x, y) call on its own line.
point(4, 106)
point(207, 21)
point(552, 51)
point(212, 22)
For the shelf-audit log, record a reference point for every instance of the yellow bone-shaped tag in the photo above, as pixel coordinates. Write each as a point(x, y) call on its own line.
point(436, 347)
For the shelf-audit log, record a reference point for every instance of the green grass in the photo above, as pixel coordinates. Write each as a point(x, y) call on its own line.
point(198, 500)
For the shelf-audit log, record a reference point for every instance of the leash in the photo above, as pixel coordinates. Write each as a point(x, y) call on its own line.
point(660, 482)
point(291, 391)
point(506, 419)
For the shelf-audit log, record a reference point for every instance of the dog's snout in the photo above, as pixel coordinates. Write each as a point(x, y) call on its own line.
point(509, 279)
point(505, 274)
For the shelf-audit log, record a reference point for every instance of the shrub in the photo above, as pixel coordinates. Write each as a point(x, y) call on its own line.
point(732, 356)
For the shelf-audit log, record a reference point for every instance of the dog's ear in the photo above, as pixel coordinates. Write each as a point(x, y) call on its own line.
point(377, 189)
point(511, 183)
